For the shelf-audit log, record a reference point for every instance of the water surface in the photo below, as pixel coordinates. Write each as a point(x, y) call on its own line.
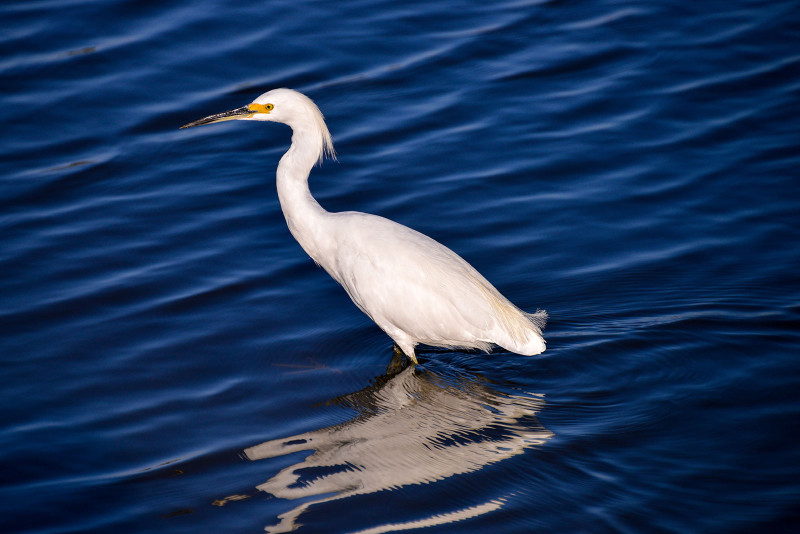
point(173, 362)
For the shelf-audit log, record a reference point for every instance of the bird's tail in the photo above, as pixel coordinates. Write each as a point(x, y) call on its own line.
point(517, 330)
point(522, 332)
point(538, 318)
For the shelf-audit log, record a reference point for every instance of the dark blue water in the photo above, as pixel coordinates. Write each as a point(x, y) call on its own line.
point(173, 362)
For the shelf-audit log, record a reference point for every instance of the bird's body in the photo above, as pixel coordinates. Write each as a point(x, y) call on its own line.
point(415, 289)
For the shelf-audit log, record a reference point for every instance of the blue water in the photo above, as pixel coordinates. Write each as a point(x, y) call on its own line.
point(173, 362)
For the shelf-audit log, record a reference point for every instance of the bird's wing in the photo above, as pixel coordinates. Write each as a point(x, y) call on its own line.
point(401, 277)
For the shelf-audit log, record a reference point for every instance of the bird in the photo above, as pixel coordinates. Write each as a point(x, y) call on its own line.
point(418, 291)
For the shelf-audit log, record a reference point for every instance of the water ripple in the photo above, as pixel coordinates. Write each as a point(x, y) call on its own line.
point(630, 168)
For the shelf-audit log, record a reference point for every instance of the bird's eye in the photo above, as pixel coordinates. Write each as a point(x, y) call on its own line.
point(269, 107)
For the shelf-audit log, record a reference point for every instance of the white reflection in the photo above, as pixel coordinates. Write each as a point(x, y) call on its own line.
point(413, 427)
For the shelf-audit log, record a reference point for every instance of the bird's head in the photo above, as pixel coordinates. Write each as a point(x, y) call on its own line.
point(281, 105)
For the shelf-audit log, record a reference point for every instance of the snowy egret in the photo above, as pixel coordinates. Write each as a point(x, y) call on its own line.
point(415, 289)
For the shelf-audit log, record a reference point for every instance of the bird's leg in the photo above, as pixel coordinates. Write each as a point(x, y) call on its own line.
point(398, 352)
point(410, 354)
point(397, 363)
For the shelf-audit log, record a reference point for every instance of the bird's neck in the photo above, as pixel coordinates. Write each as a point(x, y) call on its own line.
point(304, 216)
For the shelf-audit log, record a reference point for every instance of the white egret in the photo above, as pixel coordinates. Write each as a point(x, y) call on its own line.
point(415, 289)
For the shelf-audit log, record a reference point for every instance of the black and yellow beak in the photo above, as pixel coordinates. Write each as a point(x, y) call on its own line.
point(244, 112)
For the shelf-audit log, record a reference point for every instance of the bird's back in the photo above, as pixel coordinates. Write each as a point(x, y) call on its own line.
point(419, 291)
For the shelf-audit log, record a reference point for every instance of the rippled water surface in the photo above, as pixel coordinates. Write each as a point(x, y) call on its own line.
point(173, 362)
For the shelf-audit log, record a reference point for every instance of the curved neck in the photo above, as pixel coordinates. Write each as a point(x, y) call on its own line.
point(303, 214)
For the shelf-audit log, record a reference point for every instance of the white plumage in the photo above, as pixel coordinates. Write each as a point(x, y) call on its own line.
point(414, 288)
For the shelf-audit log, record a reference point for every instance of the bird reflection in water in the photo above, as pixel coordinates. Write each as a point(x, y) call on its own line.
point(411, 427)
